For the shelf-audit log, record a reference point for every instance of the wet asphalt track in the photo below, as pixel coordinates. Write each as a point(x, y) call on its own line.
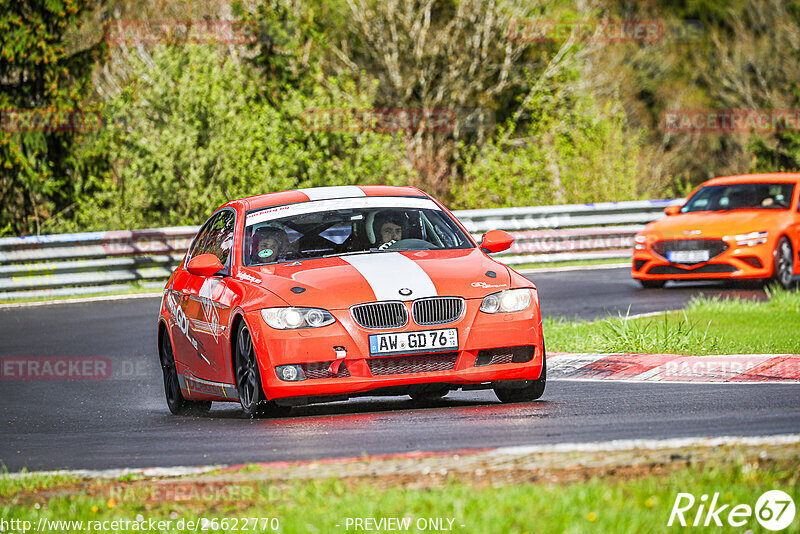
point(124, 422)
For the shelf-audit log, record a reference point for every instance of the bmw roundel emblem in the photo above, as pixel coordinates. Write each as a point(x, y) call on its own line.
point(405, 291)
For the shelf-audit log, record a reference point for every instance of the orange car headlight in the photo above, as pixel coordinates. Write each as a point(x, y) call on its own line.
point(751, 239)
point(291, 318)
point(510, 300)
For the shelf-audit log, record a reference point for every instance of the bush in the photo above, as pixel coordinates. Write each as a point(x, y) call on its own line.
point(573, 150)
point(190, 132)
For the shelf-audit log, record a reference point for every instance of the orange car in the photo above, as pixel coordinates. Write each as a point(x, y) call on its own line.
point(734, 228)
point(322, 294)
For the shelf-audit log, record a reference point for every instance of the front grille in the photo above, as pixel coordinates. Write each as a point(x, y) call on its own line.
point(320, 370)
point(505, 355)
point(709, 268)
point(380, 314)
point(437, 310)
point(419, 363)
point(714, 246)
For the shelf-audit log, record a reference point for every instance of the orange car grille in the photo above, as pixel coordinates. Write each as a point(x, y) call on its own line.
point(711, 268)
point(380, 314)
point(505, 355)
point(422, 363)
point(320, 370)
point(714, 246)
point(437, 310)
point(426, 312)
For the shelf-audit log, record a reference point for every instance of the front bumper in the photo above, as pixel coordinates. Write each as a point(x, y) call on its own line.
point(359, 372)
point(749, 262)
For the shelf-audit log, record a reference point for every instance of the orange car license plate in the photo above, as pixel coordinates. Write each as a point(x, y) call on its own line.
point(406, 342)
point(688, 256)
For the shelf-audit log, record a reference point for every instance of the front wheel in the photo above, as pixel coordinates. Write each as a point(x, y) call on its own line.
point(527, 393)
point(248, 378)
point(176, 403)
point(783, 263)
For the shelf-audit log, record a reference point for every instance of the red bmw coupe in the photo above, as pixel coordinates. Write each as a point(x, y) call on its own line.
point(321, 294)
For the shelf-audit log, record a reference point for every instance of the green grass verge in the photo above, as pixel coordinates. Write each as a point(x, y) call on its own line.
point(610, 504)
point(129, 291)
point(550, 265)
point(708, 325)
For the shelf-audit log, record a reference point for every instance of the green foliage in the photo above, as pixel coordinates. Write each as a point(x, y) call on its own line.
point(573, 150)
point(190, 132)
point(188, 127)
point(781, 153)
point(41, 81)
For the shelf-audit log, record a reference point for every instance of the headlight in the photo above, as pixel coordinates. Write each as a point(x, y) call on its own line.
point(751, 239)
point(639, 242)
point(510, 300)
point(289, 318)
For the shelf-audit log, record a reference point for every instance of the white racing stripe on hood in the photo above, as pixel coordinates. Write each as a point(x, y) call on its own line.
point(388, 272)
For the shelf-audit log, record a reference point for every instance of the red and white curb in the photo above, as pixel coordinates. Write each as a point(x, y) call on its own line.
point(674, 368)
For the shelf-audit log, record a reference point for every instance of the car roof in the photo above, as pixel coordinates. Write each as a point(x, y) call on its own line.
point(323, 193)
point(755, 178)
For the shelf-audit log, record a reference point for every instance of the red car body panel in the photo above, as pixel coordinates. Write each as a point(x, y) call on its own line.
point(200, 315)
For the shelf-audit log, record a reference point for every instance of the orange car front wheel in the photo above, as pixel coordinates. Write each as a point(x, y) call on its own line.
point(783, 263)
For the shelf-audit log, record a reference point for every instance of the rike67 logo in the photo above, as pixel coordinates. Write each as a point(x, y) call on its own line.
point(774, 510)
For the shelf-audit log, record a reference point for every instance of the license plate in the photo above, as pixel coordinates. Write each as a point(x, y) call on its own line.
point(409, 342)
point(688, 256)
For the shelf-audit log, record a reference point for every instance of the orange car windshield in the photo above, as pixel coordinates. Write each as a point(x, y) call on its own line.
point(348, 231)
point(742, 196)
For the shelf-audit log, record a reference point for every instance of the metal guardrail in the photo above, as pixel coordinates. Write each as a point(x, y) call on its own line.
point(77, 264)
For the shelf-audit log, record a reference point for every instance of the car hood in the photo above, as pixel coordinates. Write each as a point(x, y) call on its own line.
point(340, 282)
point(714, 223)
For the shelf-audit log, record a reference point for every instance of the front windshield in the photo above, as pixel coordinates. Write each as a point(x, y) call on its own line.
point(325, 228)
point(741, 196)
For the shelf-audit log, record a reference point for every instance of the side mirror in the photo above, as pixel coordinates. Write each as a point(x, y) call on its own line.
point(496, 241)
point(204, 265)
point(672, 210)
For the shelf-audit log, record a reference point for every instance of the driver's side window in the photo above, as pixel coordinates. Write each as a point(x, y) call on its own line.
point(216, 237)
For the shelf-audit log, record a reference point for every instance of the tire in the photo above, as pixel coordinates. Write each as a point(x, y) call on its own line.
point(652, 284)
point(528, 393)
point(248, 378)
point(429, 394)
point(782, 263)
point(176, 403)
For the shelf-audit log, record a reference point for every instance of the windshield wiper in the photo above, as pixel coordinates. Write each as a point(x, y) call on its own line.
point(352, 253)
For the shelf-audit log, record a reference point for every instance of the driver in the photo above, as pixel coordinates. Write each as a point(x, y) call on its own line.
point(269, 243)
point(389, 231)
